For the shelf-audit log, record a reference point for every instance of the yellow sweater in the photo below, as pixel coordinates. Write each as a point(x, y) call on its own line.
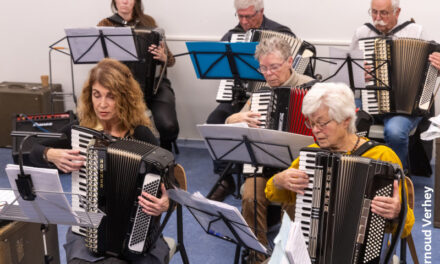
point(379, 152)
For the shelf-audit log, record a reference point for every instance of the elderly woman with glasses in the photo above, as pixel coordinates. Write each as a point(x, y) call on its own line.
point(276, 65)
point(330, 110)
point(273, 54)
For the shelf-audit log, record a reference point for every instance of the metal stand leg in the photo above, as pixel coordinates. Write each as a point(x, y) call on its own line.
point(47, 258)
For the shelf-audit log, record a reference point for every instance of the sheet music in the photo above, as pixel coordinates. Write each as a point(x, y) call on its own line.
point(81, 40)
point(296, 248)
point(86, 47)
point(342, 76)
point(271, 147)
point(290, 246)
point(47, 207)
point(7, 197)
point(124, 38)
point(206, 211)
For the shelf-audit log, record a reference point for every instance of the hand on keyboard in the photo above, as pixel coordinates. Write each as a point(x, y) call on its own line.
point(67, 160)
point(367, 74)
point(291, 179)
point(251, 118)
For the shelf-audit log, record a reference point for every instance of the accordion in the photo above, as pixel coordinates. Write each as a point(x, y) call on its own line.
point(144, 70)
point(334, 212)
point(280, 108)
point(115, 173)
point(301, 51)
point(401, 65)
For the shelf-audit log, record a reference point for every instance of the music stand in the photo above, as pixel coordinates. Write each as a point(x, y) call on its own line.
point(223, 60)
point(90, 45)
point(219, 220)
point(256, 146)
point(350, 62)
point(37, 196)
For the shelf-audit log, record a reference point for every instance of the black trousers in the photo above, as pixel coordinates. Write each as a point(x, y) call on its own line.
point(163, 108)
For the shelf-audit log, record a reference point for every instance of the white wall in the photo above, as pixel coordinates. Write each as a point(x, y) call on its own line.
point(28, 27)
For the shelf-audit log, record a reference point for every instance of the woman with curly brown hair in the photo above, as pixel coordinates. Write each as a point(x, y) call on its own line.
point(111, 101)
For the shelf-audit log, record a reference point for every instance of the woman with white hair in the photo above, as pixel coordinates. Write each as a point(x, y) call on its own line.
point(330, 112)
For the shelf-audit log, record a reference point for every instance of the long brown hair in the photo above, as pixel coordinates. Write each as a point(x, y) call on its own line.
point(118, 79)
point(138, 13)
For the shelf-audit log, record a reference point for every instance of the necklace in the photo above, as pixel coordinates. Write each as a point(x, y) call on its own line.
point(355, 145)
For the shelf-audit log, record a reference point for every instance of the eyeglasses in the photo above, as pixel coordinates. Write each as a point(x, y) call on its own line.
point(309, 124)
point(382, 13)
point(248, 17)
point(272, 68)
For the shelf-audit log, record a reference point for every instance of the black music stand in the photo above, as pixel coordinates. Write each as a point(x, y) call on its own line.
point(35, 199)
point(90, 45)
point(223, 60)
point(255, 146)
point(349, 64)
point(219, 220)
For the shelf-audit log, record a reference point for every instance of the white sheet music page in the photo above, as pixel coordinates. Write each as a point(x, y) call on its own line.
point(51, 204)
point(270, 147)
point(207, 211)
point(84, 44)
point(296, 248)
point(120, 43)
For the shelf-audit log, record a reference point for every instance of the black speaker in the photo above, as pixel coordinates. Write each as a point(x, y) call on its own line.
point(36, 123)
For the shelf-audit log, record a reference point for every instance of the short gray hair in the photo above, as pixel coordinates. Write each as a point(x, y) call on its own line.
point(243, 4)
point(395, 4)
point(271, 45)
point(339, 99)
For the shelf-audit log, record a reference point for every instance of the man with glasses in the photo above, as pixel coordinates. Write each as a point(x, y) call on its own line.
point(250, 14)
point(276, 65)
point(385, 14)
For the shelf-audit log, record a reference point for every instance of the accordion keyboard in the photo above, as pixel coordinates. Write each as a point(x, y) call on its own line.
point(80, 140)
point(260, 103)
point(303, 210)
point(369, 97)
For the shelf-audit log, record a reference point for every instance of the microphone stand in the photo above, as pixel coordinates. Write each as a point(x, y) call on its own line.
point(24, 181)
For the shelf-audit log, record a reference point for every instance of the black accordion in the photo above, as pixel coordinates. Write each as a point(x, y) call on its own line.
point(144, 70)
point(334, 212)
point(280, 108)
point(115, 173)
point(301, 51)
point(402, 65)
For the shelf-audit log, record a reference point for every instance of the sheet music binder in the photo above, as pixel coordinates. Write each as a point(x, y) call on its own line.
point(224, 60)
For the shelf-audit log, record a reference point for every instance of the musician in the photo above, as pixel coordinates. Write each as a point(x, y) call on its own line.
point(330, 110)
point(163, 103)
point(275, 61)
point(250, 14)
point(111, 101)
point(385, 14)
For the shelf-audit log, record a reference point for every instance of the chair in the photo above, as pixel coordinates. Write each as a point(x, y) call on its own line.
point(409, 240)
point(179, 174)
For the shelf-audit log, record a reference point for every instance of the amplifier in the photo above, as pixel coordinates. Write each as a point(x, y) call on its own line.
point(36, 123)
point(27, 98)
point(22, 243)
